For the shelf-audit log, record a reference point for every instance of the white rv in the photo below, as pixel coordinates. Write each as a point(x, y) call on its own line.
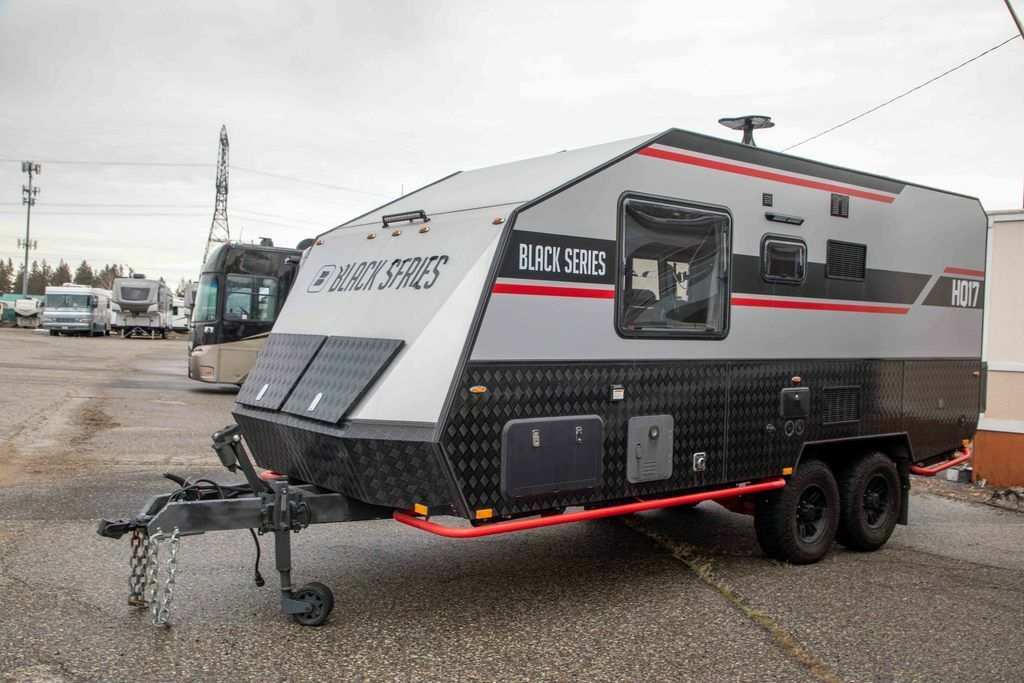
point(144, 306)
point(647, 323)
point(28, 312)
point(77, 309)
point(180, 314)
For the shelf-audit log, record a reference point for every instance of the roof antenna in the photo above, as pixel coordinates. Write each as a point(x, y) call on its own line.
point(748, 124)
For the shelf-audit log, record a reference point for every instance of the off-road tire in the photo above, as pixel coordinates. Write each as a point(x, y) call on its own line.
point(870, 498)
point(798, 523)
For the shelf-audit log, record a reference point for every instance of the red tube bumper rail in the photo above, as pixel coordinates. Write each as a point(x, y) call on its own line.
point(932, 471)
point(410, 518)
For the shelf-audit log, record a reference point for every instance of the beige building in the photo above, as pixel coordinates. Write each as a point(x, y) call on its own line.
point(999, 446)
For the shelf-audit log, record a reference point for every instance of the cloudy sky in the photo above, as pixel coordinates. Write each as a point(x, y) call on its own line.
point(358, 99)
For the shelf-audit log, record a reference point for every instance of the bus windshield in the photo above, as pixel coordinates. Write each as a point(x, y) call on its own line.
point(205, 309)
point(69, 301)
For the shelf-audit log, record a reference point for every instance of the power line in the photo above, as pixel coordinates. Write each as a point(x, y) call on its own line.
point(117, 163)
point(917, 87)
point(310, 182)
point(105, 204)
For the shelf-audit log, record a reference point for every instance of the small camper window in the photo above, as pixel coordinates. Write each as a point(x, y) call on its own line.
point(251, 298)
point(783, 259)
point(674, 280)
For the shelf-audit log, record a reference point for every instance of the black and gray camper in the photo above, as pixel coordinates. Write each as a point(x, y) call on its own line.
point(240, 292)
point(142, 307)
point(647, 323)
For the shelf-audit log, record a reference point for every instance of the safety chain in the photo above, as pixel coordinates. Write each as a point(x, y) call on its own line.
point(160, 597)
point(138, 563)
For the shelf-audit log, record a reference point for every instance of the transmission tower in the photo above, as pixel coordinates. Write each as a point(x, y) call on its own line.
point(219, 227)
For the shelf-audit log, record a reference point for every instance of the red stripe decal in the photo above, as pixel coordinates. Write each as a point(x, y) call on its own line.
point(766, 175)
point(539, 290)
point(818, 306)
point(964, 271)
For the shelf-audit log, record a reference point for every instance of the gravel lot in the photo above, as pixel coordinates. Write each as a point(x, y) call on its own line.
point(88, 425)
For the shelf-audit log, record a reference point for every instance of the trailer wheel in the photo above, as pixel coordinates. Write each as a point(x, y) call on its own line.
point(798, 523)
point(869, 495)
point(322, 600)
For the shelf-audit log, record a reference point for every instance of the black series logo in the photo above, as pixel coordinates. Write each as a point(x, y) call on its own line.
point(321, 279)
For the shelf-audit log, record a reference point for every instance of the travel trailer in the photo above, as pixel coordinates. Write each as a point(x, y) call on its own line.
point(643, 324)
point(144, 307)
point(180, 314)
point(28, 312)
point(78, 310)
point(240, 293)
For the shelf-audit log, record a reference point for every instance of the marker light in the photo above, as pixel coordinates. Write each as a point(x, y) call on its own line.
point(478, 389)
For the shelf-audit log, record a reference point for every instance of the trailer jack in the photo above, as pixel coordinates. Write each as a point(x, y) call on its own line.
point(273, 506)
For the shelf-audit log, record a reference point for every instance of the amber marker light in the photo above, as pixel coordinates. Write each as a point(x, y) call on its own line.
point(498, 221)
point(371, 235)
point(478, 389)
point(486, 513)
point(796, 380)
point(786, 471)
point(396, 233)
point(424, 229)
point(420, 509)
point(319, 242)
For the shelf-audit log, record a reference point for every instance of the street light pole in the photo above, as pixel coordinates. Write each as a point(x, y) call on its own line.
point(28, 198)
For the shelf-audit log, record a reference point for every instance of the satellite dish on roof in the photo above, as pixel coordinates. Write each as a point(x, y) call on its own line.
point(748, 124)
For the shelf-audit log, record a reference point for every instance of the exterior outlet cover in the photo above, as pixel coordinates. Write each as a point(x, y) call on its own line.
point(649, 455)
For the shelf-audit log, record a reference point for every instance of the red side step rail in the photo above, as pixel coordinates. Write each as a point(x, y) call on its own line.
point(410, 518)
point(932, 471)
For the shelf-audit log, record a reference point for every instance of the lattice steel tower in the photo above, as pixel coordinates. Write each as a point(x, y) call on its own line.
point(219, 227)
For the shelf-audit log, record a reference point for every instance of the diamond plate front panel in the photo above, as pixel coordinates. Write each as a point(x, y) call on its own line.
point(279, 365)
point(338, 377)
point(392, 472)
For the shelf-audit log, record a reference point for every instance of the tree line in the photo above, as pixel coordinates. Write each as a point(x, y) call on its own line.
point(42, 274)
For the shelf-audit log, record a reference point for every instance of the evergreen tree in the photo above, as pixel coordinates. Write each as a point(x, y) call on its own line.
point(38, 277)
point(84, 274)
point(19, 278)
point(6, 276)
point(110, 272)
point(180, 290)
point(61, 274)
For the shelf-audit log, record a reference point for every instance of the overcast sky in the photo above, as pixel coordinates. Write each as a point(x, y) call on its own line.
point(374, 96)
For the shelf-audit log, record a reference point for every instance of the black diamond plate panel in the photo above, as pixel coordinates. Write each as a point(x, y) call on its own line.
point(942, 400)
point(395, 473)
point(279, 366)
point(693, 393)
point(338, 377)
point(758, 442)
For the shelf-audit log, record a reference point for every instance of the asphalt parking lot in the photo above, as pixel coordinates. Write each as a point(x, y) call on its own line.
point(87, 426)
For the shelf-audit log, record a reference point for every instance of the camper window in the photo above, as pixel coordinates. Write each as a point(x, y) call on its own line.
point(783, 259)
point(675, 271)
point(251, 298)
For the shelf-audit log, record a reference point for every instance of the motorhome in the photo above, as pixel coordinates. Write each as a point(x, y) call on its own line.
point(180, 314)
point(77, 310)
point(643, 324)
point(144, 306)
point(28, 312)
point(240, 292)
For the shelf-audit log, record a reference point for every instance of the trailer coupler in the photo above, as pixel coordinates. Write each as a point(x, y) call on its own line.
point(424, 524)
point(965, 455)
point(275, 506)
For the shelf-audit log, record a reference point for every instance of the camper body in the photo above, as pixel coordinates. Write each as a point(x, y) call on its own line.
point(626, 321)
point(180, 314)
point(238, 298)
point(77, 309)
point(143, 307)
point(28, 312)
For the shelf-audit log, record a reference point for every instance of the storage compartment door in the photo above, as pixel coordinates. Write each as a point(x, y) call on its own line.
point(552, 455)
point(279, 365)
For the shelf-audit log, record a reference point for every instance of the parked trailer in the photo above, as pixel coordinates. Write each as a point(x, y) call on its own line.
point(240, 293)
point(642, 324)
point(77, 309)
point(144, 307)
point(180, 314)
point(28, 312)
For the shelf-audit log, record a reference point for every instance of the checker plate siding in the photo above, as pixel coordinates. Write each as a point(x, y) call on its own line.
point(279, 365)
point(340, 374)
point(707, 399)
point(937, 395)
point(392, 472)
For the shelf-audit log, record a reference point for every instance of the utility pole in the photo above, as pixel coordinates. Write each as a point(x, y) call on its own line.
point(219, 227)
point(1020, 28)
point(28, 198)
